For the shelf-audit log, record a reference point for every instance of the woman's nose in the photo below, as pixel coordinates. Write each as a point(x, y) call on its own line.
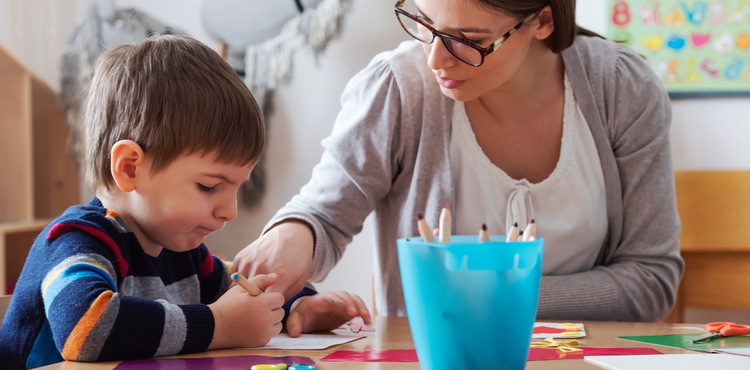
point(438, 56)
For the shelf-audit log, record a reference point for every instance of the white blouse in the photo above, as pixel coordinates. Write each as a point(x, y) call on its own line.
point(569, 207)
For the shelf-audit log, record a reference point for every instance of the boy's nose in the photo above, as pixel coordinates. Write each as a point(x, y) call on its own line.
point(227, 210)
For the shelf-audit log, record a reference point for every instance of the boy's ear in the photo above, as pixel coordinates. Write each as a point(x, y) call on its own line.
point(545, 24)
point(128, 160)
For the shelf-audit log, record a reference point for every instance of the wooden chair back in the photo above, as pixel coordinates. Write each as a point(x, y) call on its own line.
point(714, 208)
point(4, 302)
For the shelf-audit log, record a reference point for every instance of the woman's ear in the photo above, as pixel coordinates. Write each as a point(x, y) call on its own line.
point(128, 161)
point(545, 24)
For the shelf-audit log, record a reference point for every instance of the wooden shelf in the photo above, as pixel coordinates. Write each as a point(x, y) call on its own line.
point(16, 239)
point(39, 179)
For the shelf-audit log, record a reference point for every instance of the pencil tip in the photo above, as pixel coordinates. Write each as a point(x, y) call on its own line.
point(419, 216)
point(532, 220)
point(520, 233)
point(447, 207)
point(484, 227)
point(515, 224)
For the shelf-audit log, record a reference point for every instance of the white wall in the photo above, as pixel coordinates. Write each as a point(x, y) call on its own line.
point(706, 133)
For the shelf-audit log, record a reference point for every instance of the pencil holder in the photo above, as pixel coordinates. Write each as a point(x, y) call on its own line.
point(471, 305)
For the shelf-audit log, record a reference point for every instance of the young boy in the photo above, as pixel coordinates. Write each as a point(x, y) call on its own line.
point(171, 132)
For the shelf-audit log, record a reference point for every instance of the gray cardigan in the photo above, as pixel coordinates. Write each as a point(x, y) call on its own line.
point(389, 152)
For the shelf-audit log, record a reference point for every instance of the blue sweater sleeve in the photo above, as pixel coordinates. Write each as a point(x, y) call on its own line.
point(309, 289)
point(91, 320)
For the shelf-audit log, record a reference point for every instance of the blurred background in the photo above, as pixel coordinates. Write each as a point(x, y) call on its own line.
point(707, 134)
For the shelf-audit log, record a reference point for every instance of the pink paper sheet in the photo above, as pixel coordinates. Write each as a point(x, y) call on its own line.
point(210, 363)
point(536, 354)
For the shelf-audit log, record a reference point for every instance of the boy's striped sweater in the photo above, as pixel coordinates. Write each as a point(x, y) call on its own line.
point(88, 292)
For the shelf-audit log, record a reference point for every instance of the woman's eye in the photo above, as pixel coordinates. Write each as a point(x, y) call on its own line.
point(206, 189)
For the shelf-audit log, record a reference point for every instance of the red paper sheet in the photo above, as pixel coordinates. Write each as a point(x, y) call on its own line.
point(539, 354)
point(548, 330)
point(391, 355)
point(536, 354)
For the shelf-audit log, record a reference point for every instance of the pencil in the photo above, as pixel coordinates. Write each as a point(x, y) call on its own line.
point(246, 284)
point(424, 229)
point(445, 225)
point(512, 233)
point(484, 235)
point(530, 231)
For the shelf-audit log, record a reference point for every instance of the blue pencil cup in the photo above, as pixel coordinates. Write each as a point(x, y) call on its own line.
point(471, 305)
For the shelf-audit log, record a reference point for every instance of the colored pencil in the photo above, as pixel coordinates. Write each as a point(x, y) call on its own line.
point(445, 225)
point(246, 284)
point(484, 235)
point(424, 230)
point(512, 233)
point(530, 231)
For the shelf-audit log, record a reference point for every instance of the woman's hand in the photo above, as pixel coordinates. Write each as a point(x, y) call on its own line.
point(285, 250)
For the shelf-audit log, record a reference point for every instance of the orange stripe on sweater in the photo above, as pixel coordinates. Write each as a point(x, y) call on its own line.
point(85, 325)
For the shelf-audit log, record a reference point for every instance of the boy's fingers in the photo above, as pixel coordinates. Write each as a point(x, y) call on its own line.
point(338, 302)
point(294, 324)
point(275, 300)
point(351, 305)
point(277, 327)
point(364, 313)
point(263, 281)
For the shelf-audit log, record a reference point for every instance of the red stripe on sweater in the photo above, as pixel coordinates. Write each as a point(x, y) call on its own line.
point(62, 228)
point(207, 266)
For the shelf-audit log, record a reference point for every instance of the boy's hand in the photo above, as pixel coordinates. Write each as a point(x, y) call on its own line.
point(325, 311)
point(243, 320)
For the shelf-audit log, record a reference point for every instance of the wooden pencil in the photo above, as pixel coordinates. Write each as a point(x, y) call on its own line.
point(530, 231)
point(512, 233)
point(445, 225)
point(246, 284)
point(484, 235)
point(424, 229)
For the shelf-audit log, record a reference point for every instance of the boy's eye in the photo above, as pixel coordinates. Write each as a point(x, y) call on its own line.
point(206, 189)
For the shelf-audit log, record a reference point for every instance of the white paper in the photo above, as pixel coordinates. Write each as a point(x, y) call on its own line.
point(734, 351)
point(309, 341)
point(556, 325)
point(703, 361)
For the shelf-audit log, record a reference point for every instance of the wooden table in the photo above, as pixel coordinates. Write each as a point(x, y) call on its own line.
point(393, 333)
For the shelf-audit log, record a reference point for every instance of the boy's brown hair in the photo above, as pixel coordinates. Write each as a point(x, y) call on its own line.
point(172, 95)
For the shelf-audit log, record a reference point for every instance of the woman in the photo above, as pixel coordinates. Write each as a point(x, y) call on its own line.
point(508, 112)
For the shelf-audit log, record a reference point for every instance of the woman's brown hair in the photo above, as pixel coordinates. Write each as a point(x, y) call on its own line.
point(563, 16)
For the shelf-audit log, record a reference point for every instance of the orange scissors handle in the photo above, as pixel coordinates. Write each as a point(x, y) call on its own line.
point(734, 329)
point(714, 327)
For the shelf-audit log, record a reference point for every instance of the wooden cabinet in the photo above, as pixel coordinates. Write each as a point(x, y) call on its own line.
point(38, 178)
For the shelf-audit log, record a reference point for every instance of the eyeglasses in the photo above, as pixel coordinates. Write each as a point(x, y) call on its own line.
point(464, 50)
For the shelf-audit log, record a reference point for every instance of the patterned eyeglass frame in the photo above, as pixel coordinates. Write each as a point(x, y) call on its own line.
point(482, 51)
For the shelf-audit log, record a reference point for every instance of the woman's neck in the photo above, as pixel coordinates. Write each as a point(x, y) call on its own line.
point(539, 81)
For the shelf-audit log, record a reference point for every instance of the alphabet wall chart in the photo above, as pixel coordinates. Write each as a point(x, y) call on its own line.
point(695, 47)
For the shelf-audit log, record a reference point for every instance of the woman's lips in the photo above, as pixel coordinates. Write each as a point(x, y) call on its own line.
point(449, 83)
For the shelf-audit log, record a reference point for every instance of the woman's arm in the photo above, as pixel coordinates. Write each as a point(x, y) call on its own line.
point(639, 275)
point(354, 172)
